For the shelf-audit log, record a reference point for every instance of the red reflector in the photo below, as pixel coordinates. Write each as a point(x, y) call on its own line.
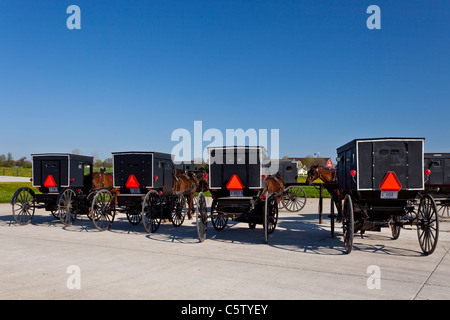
point(428, 172)
point(50, 182)
point(235, 183)
point(353, 173)
point(390, 182)
point(132, 182)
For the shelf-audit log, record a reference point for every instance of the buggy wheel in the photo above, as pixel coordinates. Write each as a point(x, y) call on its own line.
point(395, 227)
point(294, 199)
point(427, 224)
point(67, 206)
point(103, 210)
point(152, 211)
point(23, 207)
point(202, 217)
point(270, 215)
point(134, 219)
point(218, 220)
point(88, 203)
point(444, 210)
point(348, 223)
point(178, 209)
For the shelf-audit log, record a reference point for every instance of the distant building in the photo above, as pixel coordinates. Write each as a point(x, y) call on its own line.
point(305, 163)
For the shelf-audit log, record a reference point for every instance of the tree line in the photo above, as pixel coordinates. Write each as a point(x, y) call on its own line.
point(8, 161)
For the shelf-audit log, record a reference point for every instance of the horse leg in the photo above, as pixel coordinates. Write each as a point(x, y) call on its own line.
point(190, 205)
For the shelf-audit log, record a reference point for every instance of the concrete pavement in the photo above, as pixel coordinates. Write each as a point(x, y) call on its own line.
point(45, 260)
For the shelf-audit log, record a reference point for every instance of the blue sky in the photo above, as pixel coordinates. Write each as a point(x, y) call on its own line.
point(138, 70)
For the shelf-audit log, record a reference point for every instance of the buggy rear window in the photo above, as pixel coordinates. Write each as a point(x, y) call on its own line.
point(132, 165)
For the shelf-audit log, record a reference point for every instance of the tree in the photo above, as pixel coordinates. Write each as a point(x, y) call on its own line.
point(308, 161)
point(98, 163)
point(9, 161)
point(108, 163)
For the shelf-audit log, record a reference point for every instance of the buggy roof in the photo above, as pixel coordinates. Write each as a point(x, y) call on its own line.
point(70, 155)
point(142, 152)
point(345, 146)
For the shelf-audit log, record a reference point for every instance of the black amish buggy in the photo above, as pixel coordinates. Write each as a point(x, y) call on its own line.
point(143, 189)
point(65, 185)
point(236, 182)
point(293, 196)
point(185, 166)
point(379, 180)
point(438, 183)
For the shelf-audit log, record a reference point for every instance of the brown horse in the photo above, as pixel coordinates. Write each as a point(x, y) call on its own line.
point(185, 183)
point(201, 178)
point(274, 184)
point(328, 176)
point(102, 179)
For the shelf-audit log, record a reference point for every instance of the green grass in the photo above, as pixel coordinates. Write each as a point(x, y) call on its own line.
point(7, 190)
point(15, 171)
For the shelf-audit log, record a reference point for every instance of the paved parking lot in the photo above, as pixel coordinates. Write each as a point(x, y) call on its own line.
point(45, 260)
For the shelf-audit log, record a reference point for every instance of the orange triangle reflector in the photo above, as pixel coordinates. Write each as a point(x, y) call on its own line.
point(132, 182)
point(390, 182)
point(235, 183)
point(50, 182)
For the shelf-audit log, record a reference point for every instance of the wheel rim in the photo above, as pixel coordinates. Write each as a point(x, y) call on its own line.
point(134, 219)
point(67, 207)
point(273, 214)
point(202, 218)
point(395, 229)
point(348, 224)
point(444, 210)
point(23, 207)
point(218, 220)
point(102, 210)
point(152, 211)
point(294, 199)
point(427, 225)
point(178, 212)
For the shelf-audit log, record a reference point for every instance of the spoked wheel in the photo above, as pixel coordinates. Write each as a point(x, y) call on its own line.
point(88, 203)
point(218, 220)
point(152, 211)
point(294, 199)
point(178, 209)
point(444, 210)
point(134, 219)
point(202, 217)
point(67, 206)
point(270, 215)
point(395, 227)
point(348, 223)
point(23, 207)
point(103, 210)
point(427, 224)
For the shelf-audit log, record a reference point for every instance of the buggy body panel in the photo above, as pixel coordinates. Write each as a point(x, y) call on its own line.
point(374, 158)
point(67, 170)
point(438, 183)
point(152, 170)
point(245, 162)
